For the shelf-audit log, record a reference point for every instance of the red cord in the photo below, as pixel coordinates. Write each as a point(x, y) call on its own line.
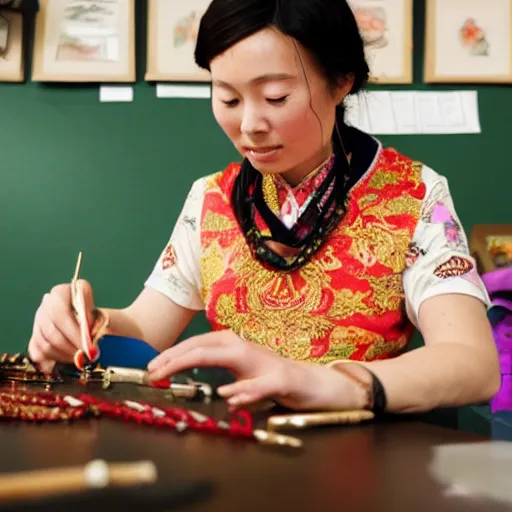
point(240, 424)
point(161, 384)
point(49, 406)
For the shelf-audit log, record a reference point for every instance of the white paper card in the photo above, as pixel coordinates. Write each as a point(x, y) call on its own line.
point(479, 470)
point(415, 112)
point(183, 91)
point(113, 93)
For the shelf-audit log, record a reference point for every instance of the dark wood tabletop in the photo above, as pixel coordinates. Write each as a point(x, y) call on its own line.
point(376, 466)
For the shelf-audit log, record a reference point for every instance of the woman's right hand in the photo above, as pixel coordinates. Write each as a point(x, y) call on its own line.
point(56, 334)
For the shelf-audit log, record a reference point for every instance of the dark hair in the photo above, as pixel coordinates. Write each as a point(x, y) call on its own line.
point(327, 28)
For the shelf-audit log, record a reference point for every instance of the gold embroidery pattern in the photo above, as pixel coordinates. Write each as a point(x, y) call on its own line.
point(399, 205)
point(383, 178)
point(217, 222)
point(367, 199)
point(377, 242)
point(354, 335)
point(348, 303)
point(342, 345)
point(328, 261)
point(388, 293)
point(345, 339)
point(212, 267)
point(272, 296)
point(213, 184)
point(395, 206)
point(382, 347)
point(298, 315)
point(266, 327)
point(270, 194)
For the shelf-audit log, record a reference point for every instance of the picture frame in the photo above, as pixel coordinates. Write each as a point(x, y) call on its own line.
point(11, 47)
point(467, 42)
point(386, 27)
point(172, 34)
point(84, 41)
point(491, 246)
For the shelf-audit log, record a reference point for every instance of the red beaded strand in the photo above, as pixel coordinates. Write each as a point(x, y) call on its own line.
point(42, 398)
point(49, 406)
point(39, 407)
point(240, 424)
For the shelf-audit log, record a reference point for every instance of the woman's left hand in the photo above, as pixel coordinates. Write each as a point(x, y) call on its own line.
point(260, 373)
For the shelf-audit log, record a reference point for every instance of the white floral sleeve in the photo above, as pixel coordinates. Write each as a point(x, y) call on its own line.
point(177, 271)
point(439, 261)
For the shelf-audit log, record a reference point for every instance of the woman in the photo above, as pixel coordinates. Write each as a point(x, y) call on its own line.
point(322, 248)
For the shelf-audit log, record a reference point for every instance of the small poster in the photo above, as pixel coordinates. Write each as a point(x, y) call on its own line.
point(469, 41)
point(387, 31)
point(85, 41)
point(11, 46)
point(172, 34)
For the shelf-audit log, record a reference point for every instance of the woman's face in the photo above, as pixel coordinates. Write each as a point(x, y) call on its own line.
point(274, 103)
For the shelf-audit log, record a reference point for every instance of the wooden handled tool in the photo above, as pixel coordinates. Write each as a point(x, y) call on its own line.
point(96, 474)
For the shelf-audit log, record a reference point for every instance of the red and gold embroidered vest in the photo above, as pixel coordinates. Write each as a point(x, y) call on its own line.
point(348, 301)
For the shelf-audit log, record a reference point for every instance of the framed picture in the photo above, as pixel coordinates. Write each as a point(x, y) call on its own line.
point(491, 246)
point(84, 41)
point(386, 27)
point(11, 46)
point(172, 35)
point(466, 41)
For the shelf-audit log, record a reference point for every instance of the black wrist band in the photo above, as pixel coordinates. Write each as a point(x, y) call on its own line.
point(379, 396)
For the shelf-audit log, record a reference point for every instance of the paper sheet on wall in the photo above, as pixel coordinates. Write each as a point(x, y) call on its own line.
point(183, 91)
point(116, 93)
point(415, 112)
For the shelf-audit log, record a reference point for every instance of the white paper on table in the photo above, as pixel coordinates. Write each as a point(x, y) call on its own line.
point(480, 470)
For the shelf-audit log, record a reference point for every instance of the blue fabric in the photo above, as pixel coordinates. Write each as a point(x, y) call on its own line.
point(496, 314)
point(125, 352)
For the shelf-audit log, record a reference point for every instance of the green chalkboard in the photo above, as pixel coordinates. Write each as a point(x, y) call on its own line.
point(110, 179)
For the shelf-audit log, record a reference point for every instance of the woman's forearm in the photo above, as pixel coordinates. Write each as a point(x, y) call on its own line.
point(152, 317)
point(121, 323)
point(441, 375)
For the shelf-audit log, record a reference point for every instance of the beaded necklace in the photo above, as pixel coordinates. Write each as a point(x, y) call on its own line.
point(322, 214)
point(47, 406)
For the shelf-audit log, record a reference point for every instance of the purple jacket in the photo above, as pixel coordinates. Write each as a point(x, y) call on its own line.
point(499, 287)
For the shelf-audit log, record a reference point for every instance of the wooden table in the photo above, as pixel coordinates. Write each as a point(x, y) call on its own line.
point(371, 467)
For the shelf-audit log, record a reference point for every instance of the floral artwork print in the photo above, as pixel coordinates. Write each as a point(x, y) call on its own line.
point(186, 29)
point(472, 37)
point(372, 24)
